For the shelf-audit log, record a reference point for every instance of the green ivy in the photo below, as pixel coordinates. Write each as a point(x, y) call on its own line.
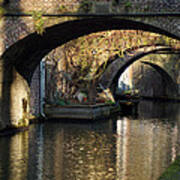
point(128, 4)
point(63, 9)
point(85, 6)
point(2, 11)
point(38, 21)
point(172, 172)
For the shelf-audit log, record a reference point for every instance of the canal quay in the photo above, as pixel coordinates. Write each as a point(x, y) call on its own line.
point(89, 90)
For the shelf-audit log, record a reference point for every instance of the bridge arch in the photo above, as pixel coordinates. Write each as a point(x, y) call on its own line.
point(20, 60)
point(167, 79)
point(110, 77)
point(28, 52)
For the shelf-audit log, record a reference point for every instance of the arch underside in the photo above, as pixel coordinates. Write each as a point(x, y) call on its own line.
point(26, 54)
point(167, 79)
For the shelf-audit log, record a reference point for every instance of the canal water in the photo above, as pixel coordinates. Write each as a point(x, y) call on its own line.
point(120, 148)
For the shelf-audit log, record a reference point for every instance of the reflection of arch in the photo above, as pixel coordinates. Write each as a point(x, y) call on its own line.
point(169, 82)
point(28, 52)
point(117, 67)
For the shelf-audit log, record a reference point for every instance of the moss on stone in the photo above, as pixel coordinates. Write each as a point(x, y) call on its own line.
point(85, 6)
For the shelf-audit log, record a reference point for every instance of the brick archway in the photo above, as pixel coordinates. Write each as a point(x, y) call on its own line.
point(110, 77)
point(28, 52)
point(167, 79)
point(20, 60)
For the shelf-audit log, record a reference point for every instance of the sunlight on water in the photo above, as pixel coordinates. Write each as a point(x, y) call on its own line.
point(121, 148)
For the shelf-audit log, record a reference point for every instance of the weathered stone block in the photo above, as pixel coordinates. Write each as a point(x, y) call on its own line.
point(102, 7)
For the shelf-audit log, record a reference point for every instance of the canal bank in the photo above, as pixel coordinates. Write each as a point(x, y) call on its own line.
point(83, 112)
point(78, 112)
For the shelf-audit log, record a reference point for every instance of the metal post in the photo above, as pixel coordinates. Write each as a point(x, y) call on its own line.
point(42, 87)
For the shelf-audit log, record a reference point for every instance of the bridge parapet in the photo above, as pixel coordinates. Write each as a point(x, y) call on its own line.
point(89, 6)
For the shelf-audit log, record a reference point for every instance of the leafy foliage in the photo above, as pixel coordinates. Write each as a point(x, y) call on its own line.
point(2, 11)
point(38, 21)
point(85, 59)
point(173, 171)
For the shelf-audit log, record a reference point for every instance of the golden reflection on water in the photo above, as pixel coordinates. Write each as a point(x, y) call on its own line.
point(19, 155)
point(139, 150)
point(123, 149)
point(144, 148)
point(15, 157)
point(89, 155)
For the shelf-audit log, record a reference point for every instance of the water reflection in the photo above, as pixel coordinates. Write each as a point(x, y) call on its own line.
point(144, 148)
point(121, 148)
point(162, 110)
point(13, 157)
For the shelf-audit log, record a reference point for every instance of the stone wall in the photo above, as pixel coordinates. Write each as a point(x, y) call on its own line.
point(153, 75)
point(149, 82)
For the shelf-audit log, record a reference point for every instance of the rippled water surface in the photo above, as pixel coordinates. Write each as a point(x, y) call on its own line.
point(120, 148)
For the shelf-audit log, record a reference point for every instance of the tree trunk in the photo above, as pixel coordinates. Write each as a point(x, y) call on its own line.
point(92, 91)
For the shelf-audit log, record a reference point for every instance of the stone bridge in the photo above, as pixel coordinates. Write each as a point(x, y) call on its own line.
point(22, 49)
point(150, 56)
